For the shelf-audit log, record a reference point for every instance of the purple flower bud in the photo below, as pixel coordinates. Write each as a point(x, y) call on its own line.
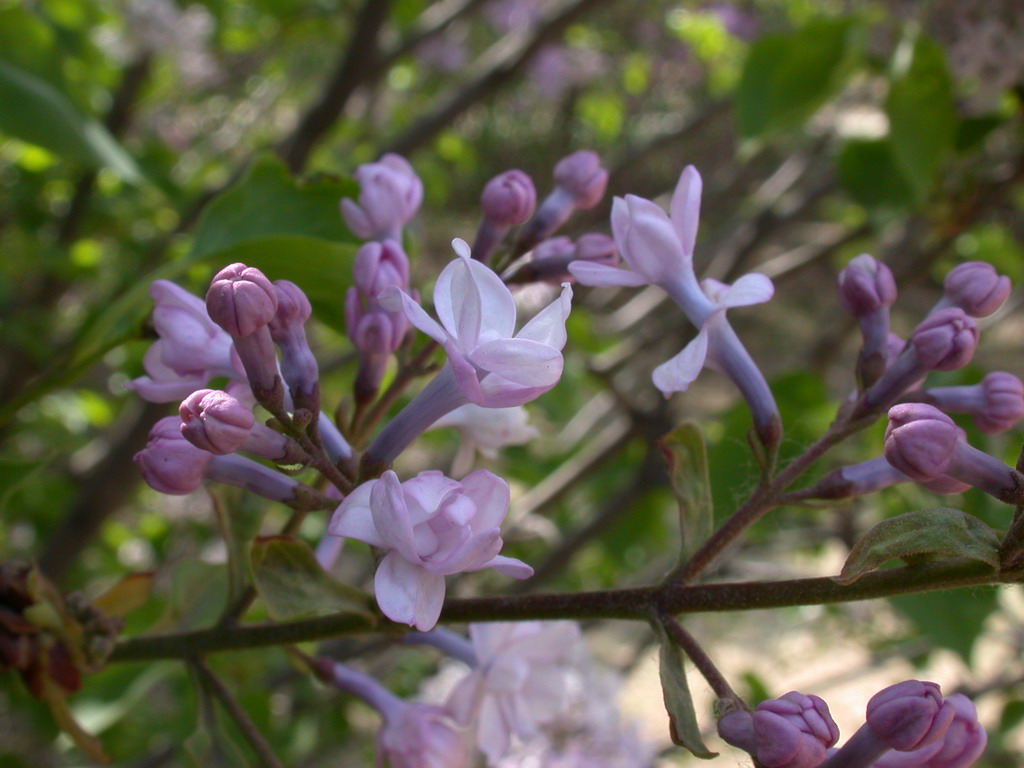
point(976, 288)
point(390, 193)
point(581, 175)
point(962, 744)
point(866, 285)
point(945, 340)
point(997, 403)
point(920, 440)
point(793, 731)
point(509, 199)
point(169, 463)
point(874, 475)
point(909, 715)
point(287, 329)
point(379, 265)
point(293, 306)
point(241, 300)
point(214, 421)
point(598, 248)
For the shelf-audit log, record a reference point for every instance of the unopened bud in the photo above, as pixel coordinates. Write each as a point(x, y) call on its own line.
point(379, 265)
point(976, 288)
point(508, 199)
point(169, 463)
point(909, 715)
point(866, 285)
point(241, 300)
point(214, 421)
point(581, 175)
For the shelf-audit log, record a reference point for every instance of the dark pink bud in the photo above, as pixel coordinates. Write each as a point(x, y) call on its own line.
point(976, 288)
point(1003, 403)
point(509, 199)
point(866, 285)
point(793, 731)
point(379, 265)
point(582, 177)
point(909, 715)
point(169, 463)
point(241, 300)
point(920, 440)
point(293, 306)
point(945, 340)
point(962, 744)
point(215, 421)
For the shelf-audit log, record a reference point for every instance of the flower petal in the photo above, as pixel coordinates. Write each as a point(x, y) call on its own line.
point(685, 207)
point(395, 300)
point(462, 288)
point(548, 325)
point(594, 273)
point(490, 494)
point(509, 566)
point(471, 556)
point(525, 362)
point(408, 594)
point(353, 519)
point(676, 374)
point(391, 516)
point(753, 288)
point(651, 246)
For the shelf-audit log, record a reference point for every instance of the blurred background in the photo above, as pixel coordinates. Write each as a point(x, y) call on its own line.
point(152, 139)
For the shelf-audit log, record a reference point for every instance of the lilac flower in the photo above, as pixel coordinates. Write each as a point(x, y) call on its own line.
point(191, 349)
point(923, 442)
point(489, 429)
point(390, 193)
point(874, 475)
point(507, 201)
point(658, 250)
point(550, 259)
point(909, 715)
point(287, 329)
point(580, 183)
point(520, 683)
point(867, 290)
point(219, 423)
point(432, 527)
point(997, 403)
point(962, 744)
point(976, 288)
point(243, 302)
point(792, 731)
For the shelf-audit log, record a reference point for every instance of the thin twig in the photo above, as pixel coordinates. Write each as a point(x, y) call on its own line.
point(700, 659)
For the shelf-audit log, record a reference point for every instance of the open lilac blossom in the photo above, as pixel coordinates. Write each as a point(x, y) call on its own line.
point(658, 250)
point(963, 742)
point(520, 683)
point(432, 527)
point(390, 193)
point(792, 731)
point(486, 430)
point(924, 443)
point(489, 364)
point(976, 288)
point(996, 403)
point(413, 734)
point(191, 350)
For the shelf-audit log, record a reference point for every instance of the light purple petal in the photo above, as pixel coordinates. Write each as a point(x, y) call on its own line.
point(353, 518)
point(522, 361)
point(491, 496)
point(498, 392)
point(465, 284)
point(593, 273)
point(548, 325)
point(356, 219)
point(753, 288)
point(685, 208)
point(391, 517)
point(392, 299)
point(466, 376)
point(509, 566)
point(464, 700)
point(408, 594)
point(651, 246)
point(425, 493)
point(471, 556)
point(492, 733)
point(676, 374)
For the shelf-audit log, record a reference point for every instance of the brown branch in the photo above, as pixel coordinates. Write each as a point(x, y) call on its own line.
point(498, 66)
point(354, 65)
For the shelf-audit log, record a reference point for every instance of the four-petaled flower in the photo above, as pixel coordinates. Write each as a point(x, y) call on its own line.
point(493, 366)
point(432, 526)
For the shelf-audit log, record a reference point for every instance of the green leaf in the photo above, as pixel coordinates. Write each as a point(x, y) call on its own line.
point(922, 121)
point(923, 534)
point(951, 619)
point(293, 585)
point(239, 524)
point(321, 268)
point(868, 171)
point(686, 455)
point(786, 77)
point(34, 111)
point(683, 726)
point(268, 202)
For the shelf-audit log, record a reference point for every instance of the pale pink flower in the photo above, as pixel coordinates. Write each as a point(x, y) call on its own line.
point(493, 366)
point(432, 526)
point(191, 350)
point(420, 736)
point(488, 430)
point(521, 681)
